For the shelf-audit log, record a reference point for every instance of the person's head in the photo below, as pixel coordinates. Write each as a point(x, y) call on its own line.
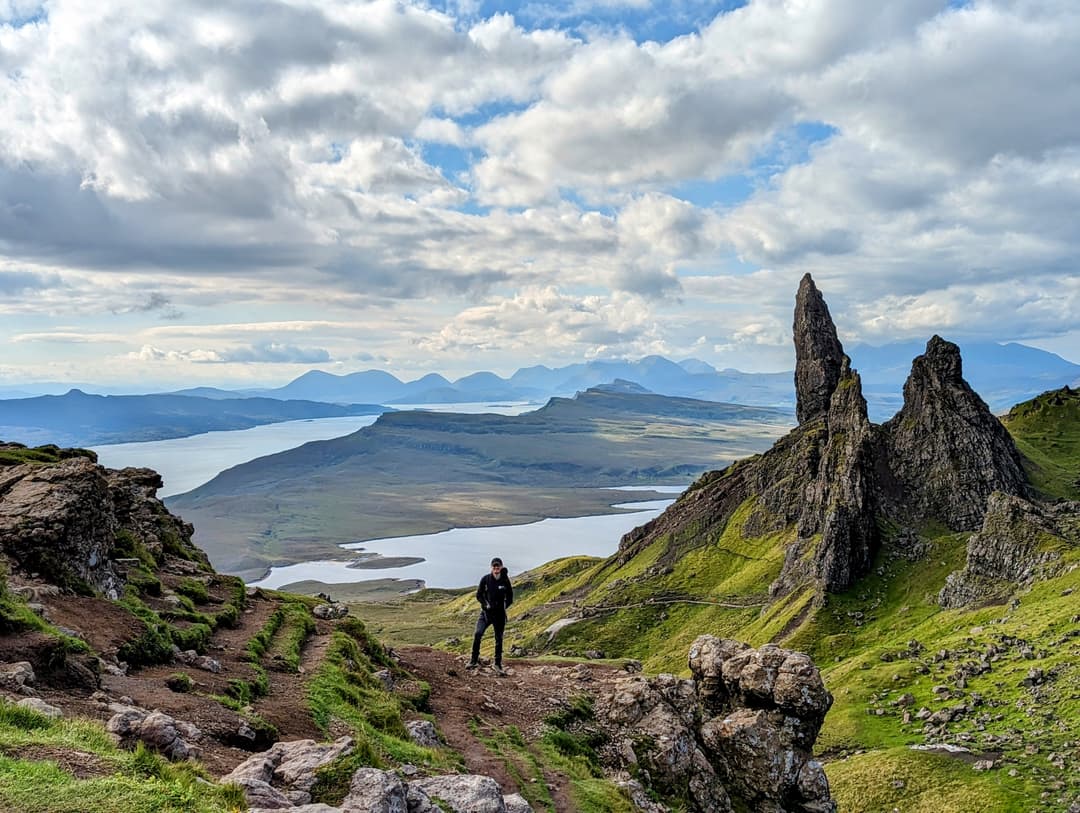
point(496, 566)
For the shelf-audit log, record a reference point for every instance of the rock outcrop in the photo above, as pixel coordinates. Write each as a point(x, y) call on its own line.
point(283, 778)
point(819, 480)
point(155, 729)
point(739, 735)
point(1018, 542)
point(69, 522)
point(832, 480)
point(945, 450)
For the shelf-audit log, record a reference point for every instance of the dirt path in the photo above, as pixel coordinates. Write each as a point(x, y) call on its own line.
point(533, 690)
point(286, 704)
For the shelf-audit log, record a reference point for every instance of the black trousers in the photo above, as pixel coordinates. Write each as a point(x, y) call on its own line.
point(489, 618)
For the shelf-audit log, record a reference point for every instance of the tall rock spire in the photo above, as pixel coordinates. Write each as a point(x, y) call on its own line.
point(819, 356)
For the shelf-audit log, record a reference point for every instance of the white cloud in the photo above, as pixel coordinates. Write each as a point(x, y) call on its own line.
point(277, 161)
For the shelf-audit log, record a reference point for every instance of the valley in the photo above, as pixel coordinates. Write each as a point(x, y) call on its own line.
point(423, 472)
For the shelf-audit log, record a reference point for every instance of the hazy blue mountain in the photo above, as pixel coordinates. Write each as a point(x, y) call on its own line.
point(1002, 374)
point(208, 392)
point(79, 419)
point(697, 367)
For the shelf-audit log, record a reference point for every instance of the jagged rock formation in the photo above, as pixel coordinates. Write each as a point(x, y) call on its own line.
point(945, 449)
point(819, 479)
point(739, 735)
point(63, 522)
point(836, 476)
point(1018, 542)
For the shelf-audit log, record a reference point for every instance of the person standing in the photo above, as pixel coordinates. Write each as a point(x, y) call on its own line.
point(495, 595)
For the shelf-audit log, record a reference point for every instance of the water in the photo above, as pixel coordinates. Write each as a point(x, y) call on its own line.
point(186, 463)
point(458, 557)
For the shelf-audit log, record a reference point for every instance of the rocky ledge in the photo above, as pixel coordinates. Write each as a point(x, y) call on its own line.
point(69, 522)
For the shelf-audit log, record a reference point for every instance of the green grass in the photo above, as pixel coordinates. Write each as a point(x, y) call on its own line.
point(1047, 431)
point(917, 782)
point(296, 627)
point(345, 690)
point(14, 454)
point(132, 781)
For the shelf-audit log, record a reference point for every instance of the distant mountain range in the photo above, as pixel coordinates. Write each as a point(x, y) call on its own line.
point(79, 419)
point(1003, 374)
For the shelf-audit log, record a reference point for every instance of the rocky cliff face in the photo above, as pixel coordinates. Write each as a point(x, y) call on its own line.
point(836, 475)
point(1018, 541)
point(818, 354)
point(69, 522)
point(820, 478)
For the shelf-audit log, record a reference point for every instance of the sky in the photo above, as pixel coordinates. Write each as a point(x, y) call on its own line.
point(196, 192)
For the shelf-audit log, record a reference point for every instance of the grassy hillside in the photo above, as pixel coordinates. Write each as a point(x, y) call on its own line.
point(1047, 431)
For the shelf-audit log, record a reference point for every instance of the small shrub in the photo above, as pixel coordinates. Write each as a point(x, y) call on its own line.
point(180, 682)
point(194, 590)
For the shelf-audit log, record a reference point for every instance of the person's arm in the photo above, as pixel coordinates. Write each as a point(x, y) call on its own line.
point(480, 593)
point(509, 593)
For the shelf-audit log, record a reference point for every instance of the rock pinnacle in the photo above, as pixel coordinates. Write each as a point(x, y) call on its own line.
point(819, 356)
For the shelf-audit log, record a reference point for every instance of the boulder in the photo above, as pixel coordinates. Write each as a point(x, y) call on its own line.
point(330, 611)
point(516, 803)
point(287, 768)
point(464, 793)
point(40, 706)
point(423, 733)
point(375, 791)
point(14, 677)
point(157, 730)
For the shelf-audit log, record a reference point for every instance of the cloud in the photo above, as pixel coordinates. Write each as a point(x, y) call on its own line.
point(421, 179)
point(276, 353)
point(264, 353)
point(566, 326)
point(155, 302)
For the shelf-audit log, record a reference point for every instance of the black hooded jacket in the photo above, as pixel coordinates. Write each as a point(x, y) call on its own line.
point(495, 595)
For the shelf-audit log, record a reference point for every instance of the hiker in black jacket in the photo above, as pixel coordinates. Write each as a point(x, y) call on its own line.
point(495, 595)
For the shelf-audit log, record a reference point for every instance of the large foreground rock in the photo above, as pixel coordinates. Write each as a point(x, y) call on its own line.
point(739, 735)
point(155, 729)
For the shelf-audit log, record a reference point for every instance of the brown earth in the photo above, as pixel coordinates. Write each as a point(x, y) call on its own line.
point(531, 691)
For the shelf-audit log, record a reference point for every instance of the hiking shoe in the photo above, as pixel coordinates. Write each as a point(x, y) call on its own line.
point(498, 670)
point(472, 667)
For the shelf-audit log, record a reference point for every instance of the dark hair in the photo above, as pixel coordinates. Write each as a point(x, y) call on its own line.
point(496, 561)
